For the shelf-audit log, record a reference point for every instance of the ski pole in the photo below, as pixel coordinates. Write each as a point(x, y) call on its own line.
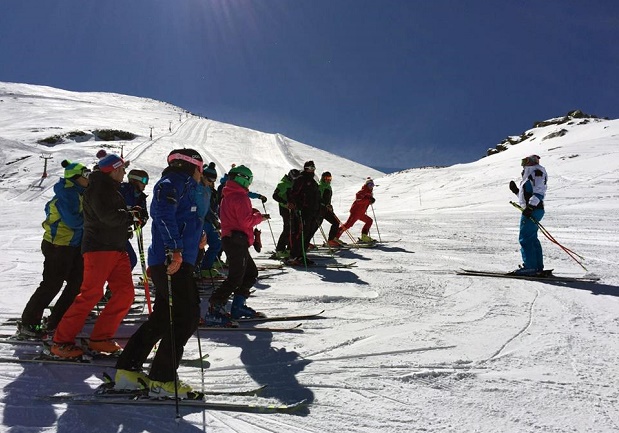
point(138, 230)
point(339, 221)
point(302, 240)
point(270, 228)
point(172, 339)
point(331, 251)
point(551, 238)
point(547, 234)
point(376, 221)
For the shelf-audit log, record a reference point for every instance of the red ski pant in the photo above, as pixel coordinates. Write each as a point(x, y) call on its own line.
point(99, 267)
point(352, 219)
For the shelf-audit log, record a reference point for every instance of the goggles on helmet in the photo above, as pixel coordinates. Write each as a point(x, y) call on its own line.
point(142, 179)
point(189, 159)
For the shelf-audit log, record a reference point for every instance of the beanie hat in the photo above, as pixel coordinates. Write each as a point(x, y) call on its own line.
point(210, 172)
point(110, 162)
point(73, 170)
point(309, 165)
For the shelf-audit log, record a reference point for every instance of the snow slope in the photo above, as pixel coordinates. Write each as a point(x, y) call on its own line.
point(406, 345)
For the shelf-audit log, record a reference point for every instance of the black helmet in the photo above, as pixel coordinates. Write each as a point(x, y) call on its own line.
point(294, 173)
point(187, 159)
point(138, 175)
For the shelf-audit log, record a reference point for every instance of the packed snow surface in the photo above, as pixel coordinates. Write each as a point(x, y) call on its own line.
point(406, 344)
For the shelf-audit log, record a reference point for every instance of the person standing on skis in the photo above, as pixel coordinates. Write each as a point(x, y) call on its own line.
point(531, 193)
point(176, 238)
point(61, 247)
point(326, 209)
point(363, 200)
point(238, 220)
point(133, 193)
point(304, 204)
point(106, 231)
point(280, 195)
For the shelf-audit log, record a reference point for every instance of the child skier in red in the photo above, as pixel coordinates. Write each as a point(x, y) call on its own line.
point(363, 200)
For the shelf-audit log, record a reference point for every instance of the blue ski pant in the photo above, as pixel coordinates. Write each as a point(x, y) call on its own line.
point(530, 247)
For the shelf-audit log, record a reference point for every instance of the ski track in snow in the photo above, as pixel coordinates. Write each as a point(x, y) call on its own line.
point(405, 344)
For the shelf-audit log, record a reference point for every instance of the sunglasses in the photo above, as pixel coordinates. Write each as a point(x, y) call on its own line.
point(144, 179)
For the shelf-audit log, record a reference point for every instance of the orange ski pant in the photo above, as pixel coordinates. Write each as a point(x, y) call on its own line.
point(99, 267)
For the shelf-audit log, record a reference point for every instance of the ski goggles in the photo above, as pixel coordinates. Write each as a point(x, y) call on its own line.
point(142, 179)
point(189, 159)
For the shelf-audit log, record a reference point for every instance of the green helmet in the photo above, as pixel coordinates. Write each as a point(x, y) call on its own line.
point(241, 175)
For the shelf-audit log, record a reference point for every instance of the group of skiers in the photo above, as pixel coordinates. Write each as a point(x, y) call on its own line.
point(93, 214)
point(304, 204)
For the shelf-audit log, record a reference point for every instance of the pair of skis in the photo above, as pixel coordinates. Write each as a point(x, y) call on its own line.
point(543, 276)
point(106, 394)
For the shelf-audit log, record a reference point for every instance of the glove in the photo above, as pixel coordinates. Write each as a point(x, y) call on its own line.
point(330, 208)
point(266, 216)
point(174, 259)
point(291, 206)
point(257, 241)
point(513, 187)
point(527, 212)
point(202, 243)
point(139, 215)
point(372, 200)
point(263, 199)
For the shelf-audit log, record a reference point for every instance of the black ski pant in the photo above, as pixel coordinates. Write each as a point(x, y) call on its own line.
point(302, 229)
point(62, 263)
point(284, 239)
point(186, 317)
point(335, 224)
point(242, 271)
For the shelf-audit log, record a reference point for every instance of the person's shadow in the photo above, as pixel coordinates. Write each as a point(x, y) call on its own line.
point(24, 410)
point(594, 288)
point(276, 368)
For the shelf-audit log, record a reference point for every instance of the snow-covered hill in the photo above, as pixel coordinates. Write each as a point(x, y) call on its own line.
point(407, 345)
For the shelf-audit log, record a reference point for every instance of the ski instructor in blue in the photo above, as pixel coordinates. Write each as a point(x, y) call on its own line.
point(176, 238)
point(531, 193)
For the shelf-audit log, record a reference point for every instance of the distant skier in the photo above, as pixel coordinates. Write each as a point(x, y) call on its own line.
point(326, 209)
point(363, 200)
point(304, 204)
point(531, 193)
point(280, 195)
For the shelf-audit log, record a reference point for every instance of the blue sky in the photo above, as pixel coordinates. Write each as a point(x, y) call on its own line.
point(388, 83)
